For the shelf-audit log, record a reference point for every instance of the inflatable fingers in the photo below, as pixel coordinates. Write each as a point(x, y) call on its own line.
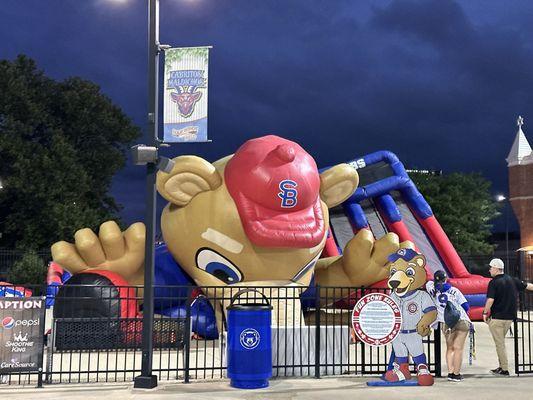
point(66, 255)
point(407, 245)
point(337, 184)
point(111, 250)
point(384, 247)
point(112, 240)
point(365, 259)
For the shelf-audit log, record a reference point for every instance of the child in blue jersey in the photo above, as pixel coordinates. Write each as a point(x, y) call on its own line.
point(442, 292)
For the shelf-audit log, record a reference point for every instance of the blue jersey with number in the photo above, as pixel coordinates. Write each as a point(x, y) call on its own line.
point(441, 298)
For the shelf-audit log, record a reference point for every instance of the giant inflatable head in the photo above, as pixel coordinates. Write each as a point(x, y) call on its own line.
point(259, 215)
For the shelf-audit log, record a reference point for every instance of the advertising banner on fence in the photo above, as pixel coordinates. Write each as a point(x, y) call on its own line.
point(21, 334)
point(185, 95)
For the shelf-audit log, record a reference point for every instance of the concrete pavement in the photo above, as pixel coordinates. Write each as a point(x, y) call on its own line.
point(479, 384)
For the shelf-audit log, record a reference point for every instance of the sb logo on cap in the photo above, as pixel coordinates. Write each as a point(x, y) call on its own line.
point(288, 194)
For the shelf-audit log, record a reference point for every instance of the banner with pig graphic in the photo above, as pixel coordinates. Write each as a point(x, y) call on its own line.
point(185, 97)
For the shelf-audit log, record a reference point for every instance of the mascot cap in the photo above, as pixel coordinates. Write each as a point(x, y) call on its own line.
point(276, 187)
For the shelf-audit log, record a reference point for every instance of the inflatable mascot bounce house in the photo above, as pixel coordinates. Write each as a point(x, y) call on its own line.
point(258, 217)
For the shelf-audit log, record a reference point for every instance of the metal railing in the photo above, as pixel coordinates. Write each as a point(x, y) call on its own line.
point(95, 334)
point(523, 336)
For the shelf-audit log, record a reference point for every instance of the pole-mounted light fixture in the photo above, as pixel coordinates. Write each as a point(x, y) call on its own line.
point(142, 155)
point(500, 198)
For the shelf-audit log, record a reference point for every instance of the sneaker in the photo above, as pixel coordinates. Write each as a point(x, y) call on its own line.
point(455, 377)
point(450, 376)
point(504, 372)
point(499, 371)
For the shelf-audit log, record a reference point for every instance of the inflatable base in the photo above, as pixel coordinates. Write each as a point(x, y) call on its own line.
point(381, 382)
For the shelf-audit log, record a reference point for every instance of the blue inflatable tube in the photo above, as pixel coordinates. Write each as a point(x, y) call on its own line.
point(356, 215)
point(387, 205)
point(476, 300)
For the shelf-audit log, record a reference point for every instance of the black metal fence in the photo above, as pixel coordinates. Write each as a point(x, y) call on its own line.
point(523, 338)
point(478, 264)
point(523, 325)
point(94, 335)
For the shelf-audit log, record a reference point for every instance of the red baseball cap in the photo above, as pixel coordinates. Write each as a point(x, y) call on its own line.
point(276, 187)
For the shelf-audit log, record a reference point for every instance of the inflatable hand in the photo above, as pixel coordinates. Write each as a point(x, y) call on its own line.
point(112, 250)
point(364, 259)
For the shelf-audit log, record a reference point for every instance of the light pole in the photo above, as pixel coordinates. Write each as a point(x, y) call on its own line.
point(501, 199)
point(147, 380)
point(147, 154)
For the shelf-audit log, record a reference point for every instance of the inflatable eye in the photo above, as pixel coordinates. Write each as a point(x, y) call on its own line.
point(218, 266)
point(410, 271)
point(392, 271)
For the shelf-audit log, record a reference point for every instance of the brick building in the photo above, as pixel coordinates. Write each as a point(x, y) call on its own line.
point(520, 165)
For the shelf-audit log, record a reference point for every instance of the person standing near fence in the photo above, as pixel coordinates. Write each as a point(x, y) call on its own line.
point(502, 306)
point(443, 292)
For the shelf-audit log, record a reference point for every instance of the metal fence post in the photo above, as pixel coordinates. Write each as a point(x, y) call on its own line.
point(438, 360)
point(41, 358)
point(317, 332)
point(515, 340)
point(187, 344)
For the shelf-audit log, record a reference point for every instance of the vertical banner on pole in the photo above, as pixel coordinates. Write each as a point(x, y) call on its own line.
point(185, 97)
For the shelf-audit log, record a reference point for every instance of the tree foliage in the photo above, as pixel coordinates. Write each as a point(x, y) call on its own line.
point(29, 270)
point(464, 207)
point(60, 145)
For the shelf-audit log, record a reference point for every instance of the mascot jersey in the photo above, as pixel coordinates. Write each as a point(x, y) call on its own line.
point(413, 306)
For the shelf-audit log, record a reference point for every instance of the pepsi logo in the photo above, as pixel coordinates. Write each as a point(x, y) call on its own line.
point(8, 322)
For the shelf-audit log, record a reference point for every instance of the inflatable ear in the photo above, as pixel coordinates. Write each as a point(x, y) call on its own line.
point(191, 175)
point(337, 184)
point(420, 260)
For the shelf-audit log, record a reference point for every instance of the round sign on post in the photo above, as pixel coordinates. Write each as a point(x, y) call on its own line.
point(376, 319)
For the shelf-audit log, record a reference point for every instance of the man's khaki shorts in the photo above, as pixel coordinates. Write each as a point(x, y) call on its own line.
point(461, 326)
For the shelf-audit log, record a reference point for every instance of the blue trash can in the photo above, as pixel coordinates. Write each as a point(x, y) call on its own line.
point(249, 341)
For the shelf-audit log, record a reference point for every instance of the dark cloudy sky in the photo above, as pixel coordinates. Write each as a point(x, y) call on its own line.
point(438, 82)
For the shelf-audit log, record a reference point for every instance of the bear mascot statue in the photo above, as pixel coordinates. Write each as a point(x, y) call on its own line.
point(407, 279)
point(255, 218)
